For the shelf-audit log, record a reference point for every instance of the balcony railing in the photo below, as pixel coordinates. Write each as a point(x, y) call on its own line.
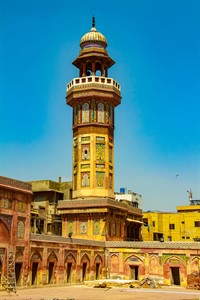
point(93, 79)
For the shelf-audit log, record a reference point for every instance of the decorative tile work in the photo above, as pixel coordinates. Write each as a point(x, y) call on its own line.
point(20, 230)
point(7, 219)
point(100, 179)
point(85, 179)
point(96, 227)
point(85, 151)
point(83, 227)
point(100, 152)
point(6, 203)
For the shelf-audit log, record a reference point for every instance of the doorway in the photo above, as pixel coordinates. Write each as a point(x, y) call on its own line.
point(84, 271)
point(18, 268)
point(97, 271)
point(69, 272)
point(34, 273)
point(134, 272)
point(175, 275)
point(51, 268)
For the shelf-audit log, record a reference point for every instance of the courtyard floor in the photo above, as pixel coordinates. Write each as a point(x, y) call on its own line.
point(80, 292)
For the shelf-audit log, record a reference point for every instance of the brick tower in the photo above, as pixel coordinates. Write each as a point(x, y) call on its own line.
point(93, 213)
point(93, 97)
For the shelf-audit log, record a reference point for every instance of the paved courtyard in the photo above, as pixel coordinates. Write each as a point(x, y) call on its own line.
point(80, 292)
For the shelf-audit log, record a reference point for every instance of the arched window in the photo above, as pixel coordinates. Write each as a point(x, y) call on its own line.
point(113, 229)
point(96, 227)
point(74, 115)
point(85, 179)
point(100, 113)
point(98, 69)
point(20, 230)
point(85, 113)
point(93, 112)
point(89, 69)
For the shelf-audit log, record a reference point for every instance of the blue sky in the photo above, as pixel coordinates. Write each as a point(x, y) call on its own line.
point(156, 47)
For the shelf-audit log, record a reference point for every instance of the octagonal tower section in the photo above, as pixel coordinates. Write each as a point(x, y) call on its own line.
point(93, 96)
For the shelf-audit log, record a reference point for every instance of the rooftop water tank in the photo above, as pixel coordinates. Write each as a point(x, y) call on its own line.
point(122, 190)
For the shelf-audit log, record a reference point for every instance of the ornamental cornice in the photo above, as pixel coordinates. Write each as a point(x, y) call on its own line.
point(18, 185)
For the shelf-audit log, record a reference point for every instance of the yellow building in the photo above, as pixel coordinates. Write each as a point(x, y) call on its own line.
point(183, 225)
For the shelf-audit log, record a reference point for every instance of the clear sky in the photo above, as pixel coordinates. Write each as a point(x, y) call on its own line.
point(156, 47)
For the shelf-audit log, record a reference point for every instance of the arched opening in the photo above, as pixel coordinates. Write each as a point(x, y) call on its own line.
point(85, 264)
point(89, 69)
point(52, 273)
point(98, 71)
point(133, 268)
point(70, 265)
point(18, 267)
point(35, 267)
point(4, 233)
point(98, 266)
point(174, 270)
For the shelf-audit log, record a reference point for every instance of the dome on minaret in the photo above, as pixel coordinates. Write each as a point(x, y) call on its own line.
point(93, 38)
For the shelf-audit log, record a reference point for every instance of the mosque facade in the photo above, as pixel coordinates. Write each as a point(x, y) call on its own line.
point(95, 237)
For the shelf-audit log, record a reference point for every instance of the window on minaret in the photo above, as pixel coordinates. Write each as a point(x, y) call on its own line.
point(107, 113)
point(93, 112)
point(85, 180)
point(110, 181)
point(113, 229)
point(111, 115)
point(85, 113)
point(100, 113)
point(74, 115)
point(79, 114)
point(110, 154)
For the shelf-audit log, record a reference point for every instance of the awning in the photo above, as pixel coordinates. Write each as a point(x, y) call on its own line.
point(134, 221)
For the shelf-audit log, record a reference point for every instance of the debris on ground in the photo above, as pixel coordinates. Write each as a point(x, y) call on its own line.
point(100, 285)
point(148, 283)
point(193, 281)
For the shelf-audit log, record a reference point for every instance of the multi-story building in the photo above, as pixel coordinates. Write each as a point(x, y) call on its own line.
point(15, 203)
point(183, 225)
point(129, 196)
point(44, 213)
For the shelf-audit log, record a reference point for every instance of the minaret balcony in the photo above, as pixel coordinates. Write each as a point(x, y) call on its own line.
point(93, 81)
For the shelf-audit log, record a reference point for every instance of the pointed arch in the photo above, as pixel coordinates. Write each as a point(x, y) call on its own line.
point(153, 264)
point(36, 255)
point(98, 258)
point(195, 264)
point(5, 236)
point(174, 257)
point(85, 257)
point(52, 257)
point(70, 257)
point(100, 109)
point(85, 113)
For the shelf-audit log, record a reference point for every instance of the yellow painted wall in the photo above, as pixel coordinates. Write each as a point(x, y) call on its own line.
point(184, 225)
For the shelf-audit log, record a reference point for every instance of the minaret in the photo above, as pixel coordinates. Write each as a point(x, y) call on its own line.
point(93, 96)
point(93, 213)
